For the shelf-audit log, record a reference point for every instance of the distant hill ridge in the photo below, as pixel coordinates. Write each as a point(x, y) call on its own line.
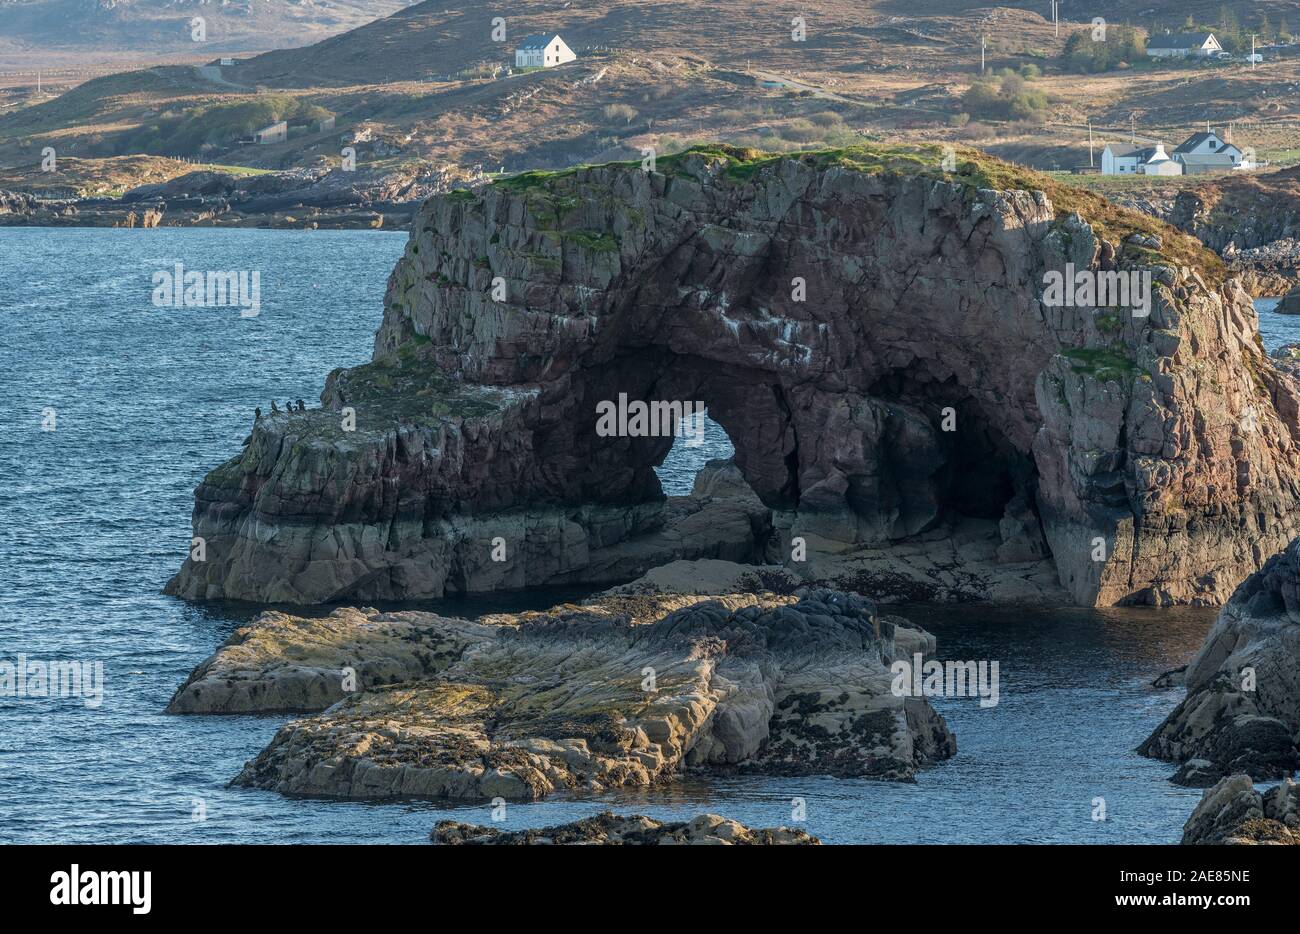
point(151, 26)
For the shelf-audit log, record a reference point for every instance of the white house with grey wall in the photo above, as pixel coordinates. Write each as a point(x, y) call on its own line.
point(543, 51)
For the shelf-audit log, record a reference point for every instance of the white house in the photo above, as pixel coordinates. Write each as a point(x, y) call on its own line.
point(1208, 152)
point(543, 51)
point(275, 133)
point(1183, 45)
point(1124, 159)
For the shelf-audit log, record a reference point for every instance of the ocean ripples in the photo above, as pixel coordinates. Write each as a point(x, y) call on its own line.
point(96, 519)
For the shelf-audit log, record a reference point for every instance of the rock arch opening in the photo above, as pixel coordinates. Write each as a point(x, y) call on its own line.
point(826, 308)
point(691, 453)
point(914, 454)
point(747, 406)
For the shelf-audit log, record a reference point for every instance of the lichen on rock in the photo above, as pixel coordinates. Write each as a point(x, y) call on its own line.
point(1233, 813)
point(626, 691)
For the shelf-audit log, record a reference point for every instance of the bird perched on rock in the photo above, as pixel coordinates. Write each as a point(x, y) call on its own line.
point(257, 414)
point(302, 406)
point(274, 410)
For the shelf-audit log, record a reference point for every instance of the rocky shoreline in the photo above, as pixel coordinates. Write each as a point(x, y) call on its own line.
point(1242, 709)
point(625, 691)
point(1252, 220)
point(632, 830)
point(315, 198)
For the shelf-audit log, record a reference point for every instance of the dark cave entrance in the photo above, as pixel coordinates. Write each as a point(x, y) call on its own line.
point(917, 454)
point(981, 474)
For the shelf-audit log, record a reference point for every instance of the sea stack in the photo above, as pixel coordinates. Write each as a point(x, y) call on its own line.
point(869, 327)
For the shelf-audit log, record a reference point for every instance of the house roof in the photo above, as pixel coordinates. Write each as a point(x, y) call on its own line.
point(1180, 40)
point(1207, 158)
point(539, 41)
point(1125, 151)
point(1196, 139)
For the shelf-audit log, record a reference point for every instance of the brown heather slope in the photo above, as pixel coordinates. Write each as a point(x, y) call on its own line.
point(843, 37)
point(94, 178)
point(410, 87)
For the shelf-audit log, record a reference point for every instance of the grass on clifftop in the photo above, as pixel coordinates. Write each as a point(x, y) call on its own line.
point(974, 170)
point(403, 386)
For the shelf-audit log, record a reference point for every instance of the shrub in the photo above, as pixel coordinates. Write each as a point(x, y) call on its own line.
point(976, 131)
point(619, 112)
point(1123, 44)
point(800, 130)
point(1004, 98)
point(826, 118)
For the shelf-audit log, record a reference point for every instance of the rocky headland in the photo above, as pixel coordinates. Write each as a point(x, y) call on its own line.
point(1233, 813)
point(618, 830)
point(624, 691)
point(1242, 709)
point(871, 331)
point(1251, 219)
point(313, 198)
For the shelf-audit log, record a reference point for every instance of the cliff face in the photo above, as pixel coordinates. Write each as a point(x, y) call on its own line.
point(868, 328)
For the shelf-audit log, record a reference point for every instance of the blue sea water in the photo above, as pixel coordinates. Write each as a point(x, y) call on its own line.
point(94, 517)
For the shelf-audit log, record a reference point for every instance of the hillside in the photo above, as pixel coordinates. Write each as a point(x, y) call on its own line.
point(107, 26)
point(428, 84)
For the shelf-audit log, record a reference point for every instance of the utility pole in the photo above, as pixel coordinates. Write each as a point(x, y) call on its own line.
point(1056, 18)
point(983, 45)
point(1091, 164)
point(1132, 128)
point(1252, 50)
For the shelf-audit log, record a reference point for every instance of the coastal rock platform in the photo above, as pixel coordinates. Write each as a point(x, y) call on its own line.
point(626, 691)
